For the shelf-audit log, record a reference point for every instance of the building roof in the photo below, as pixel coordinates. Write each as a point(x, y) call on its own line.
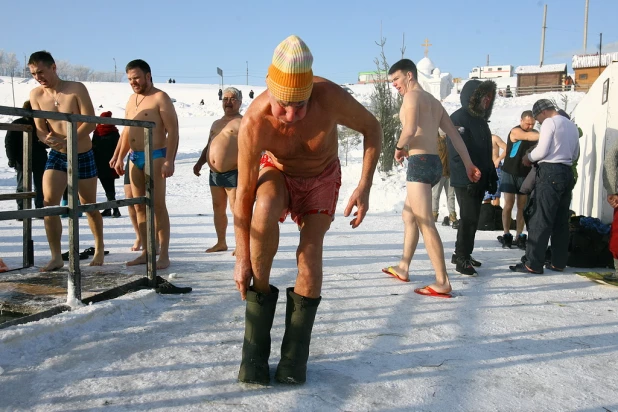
point(425, 66)
point(547, 68)
point(582, 61)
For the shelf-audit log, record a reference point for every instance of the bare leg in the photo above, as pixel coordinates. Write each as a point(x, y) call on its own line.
point(309, 255)
point(410, 240)
point(509, 201)
point(231, 195)
point(87, 189)
point(272, 199)
point(521, 204)
point(219, 206)
point(162, 221)
point(128, 194)
point(54, 183)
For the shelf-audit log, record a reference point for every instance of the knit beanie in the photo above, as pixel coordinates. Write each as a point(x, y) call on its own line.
point(290, 78)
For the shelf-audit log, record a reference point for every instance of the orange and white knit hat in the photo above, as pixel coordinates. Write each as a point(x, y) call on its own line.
point(290, 78)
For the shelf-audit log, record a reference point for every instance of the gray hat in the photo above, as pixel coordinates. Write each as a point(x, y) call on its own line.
point(540, 105)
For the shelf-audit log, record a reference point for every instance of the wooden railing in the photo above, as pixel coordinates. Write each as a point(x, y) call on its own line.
point(73, 209)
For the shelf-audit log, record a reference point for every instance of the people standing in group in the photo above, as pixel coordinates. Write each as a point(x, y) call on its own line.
point(498, 152)
point(477, 100)
point(104, 142)
point(14, 145)
point(520, 139)
point(57, 95)
point(557, 148)
point(444, 183)
point(221, 154)
point(149, 104)
point(288, 164)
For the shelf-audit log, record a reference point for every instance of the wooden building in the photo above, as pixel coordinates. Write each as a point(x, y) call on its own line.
point(588, 67)
point(540, 79)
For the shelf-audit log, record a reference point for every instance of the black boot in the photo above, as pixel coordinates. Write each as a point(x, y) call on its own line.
point(116, 212)
point(299, 317)
point(259, 316)
point(106, 213)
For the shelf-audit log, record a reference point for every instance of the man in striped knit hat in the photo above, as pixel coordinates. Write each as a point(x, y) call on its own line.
point(287, 159)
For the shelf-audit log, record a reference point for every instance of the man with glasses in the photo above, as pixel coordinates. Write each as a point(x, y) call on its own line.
point(221, 154)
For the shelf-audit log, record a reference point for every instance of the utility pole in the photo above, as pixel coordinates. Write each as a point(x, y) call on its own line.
point(114, 69)
point(247, 72)
point(487, 60)
point(543, 35)
point(600, 50)
point(586, 26)
point(25, 66)
point(403, 45)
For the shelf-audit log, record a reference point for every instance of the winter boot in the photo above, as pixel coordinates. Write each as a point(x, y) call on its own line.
point(446, 221)
point(259, 316)
point(106, 213)
point(435, 216)
point(614, 276)
point(507, 241)
point(521, 241)
point(116, 212)
point(299, 316)
point(452, 217)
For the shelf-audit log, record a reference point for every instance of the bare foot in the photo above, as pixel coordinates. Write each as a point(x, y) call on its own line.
point(234, 252)
point(163, 263)
point(136, 246)
point(441, 288)
point(53, 264)
point(97, 259)
point(141, 260)
point(397, 273)
point(217, 248)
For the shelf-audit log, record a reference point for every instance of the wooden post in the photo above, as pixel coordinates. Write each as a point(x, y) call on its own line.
point(27, 259)
point(151, 256)
point(74, 285)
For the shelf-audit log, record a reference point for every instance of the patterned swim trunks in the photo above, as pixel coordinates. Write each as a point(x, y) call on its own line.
point(86, 166)
point(424, 168)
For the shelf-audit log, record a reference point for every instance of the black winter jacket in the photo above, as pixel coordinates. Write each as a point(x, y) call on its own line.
point(14, 145)
point(471, 120)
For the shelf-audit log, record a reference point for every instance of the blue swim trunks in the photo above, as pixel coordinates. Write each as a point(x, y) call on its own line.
point(424, 168)
point(139, 158)
point(86, 166)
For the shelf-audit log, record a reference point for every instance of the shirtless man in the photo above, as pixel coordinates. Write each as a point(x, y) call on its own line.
point(287, 160)
point(421, 115)
point(149, 104)
point(56, 95)
point(520, 139)
point(498, 152)
point(221, 153)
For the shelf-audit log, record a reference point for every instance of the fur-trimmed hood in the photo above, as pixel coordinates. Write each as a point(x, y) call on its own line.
point(472, 94)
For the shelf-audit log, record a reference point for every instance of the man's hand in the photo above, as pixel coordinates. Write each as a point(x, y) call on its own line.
point(473, 172)
point(526, 161)
point(360, 199)
point(167, 170)
point(197, 168)
point(497, 163)
point(613, 200)
point(118, 166)
point(242, 276)
point(400, 155)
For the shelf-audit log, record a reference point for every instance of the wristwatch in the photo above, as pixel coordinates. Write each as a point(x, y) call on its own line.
point(398, 148)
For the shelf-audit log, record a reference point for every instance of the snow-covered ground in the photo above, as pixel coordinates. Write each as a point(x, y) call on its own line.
point(507, 341)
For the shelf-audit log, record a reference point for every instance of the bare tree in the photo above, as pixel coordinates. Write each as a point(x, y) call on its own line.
point(385, 106)
point(348, 138)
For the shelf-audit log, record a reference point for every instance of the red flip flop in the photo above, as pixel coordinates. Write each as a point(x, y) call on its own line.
point(428, 291)
point(391, 272)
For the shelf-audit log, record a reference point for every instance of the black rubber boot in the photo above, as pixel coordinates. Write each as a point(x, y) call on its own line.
point(299, 316)
point(259, 315)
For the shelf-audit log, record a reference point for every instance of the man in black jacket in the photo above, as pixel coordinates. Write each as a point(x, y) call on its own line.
point(14, 144)
point(477, 100)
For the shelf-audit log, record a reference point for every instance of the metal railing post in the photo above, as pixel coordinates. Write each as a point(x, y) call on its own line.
point(27, 258)
point(74, 286)
point(151, 255)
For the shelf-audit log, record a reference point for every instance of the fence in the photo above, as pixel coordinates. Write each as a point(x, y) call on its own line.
point(73, 209)
point(527, 90)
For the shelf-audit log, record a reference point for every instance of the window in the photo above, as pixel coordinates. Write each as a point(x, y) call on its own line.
point(583, 76)
point(499, 69)
point(490, 69)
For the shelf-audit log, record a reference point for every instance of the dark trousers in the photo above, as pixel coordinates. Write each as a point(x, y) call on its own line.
point(37, 183)
point(549, 216)
point(469, 212)
point(108, 187)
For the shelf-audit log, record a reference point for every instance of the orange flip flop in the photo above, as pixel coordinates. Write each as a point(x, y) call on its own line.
point(391, 272)
point(428, 291)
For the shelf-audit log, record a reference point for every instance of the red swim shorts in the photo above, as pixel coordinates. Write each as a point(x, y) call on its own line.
point(310, 195)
